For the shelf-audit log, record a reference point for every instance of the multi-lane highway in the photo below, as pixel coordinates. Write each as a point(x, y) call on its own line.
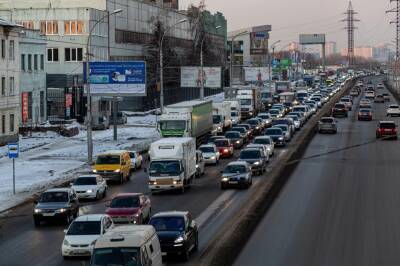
point(340, 208)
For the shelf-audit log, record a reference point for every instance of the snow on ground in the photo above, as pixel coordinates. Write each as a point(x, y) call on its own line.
point(47, 159)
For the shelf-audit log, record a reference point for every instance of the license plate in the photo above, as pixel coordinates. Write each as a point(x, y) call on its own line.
point(388, 130)
point(48, 214)
point(233, 182)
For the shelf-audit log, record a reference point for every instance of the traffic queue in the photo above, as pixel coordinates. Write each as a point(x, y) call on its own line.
point(195, 135)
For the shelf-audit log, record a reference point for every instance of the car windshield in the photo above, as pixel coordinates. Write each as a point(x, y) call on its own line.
point(232, 169)
point(54, 197)
point(283, 127)
point(250, 154)
point(217, 119)
point(165, 168)
point(125, 202)
point(294, 117)
point(206, 149)
point(387, 125)
point(174, 224)
point(264, 116)
point(246, 126)
point(245, 101)
point(172, 125)
point(253, 122)
point(274, 111)
point(394, 107)
point(108, 159)
point(365, 110)
point(264, 141)
point(85, 181)
point(299, 109)
point(340, 106)
point(280, 121)
point(239, 129)
point(121, 256)
point(272, 132)
point(84, 228)
point(232, 135)
point(345, 100)
point(222, 143)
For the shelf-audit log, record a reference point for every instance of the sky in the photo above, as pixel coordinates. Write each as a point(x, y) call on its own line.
point(291, 17)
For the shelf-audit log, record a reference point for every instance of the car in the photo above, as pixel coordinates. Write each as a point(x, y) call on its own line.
point(327, 124)
point(380, 86)
point(393, 110)
point(200, 164)
point(277, 135)
point(262, 147)
point(386, 97)
point(286, 131)
point(365, 114)
point(365, 101)
point(366, 106)
point(236, 138)
point(296, 121)
point(267, 142)
point(235, 117)
point(256, 126)
point(225, 148)
point(370, 94)
point(348, 102)
point(210, 154)
point(90, 187)
point(266, 117)
point(243, 132)
point(114, 165)
point(136, 160)
point(339, 109)
point(214, 138)
point(275, 113)
point(304, 109)
point(236, 174)
point(379, 99)
point(56, 204)
point(301, 116)
point(386, 130)
point(255, 158)
point(286, 121)
point(250, 132)
point(82, 233)
point(354, 92)
point(177, 232)
point(133, 208)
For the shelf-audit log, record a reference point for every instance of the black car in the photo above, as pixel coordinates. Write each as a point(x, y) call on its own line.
point(256, 126)
point(236, 138)
point(339, 109)
point(276, 135)
point(177, 232)
point(56, 204)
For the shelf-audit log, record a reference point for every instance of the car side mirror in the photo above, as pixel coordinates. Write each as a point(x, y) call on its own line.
point(65, 231)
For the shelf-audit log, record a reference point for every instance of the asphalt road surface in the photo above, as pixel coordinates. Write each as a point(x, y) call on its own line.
point(341, 208)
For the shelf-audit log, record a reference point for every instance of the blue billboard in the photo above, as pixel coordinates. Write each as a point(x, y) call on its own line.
point(117, 78)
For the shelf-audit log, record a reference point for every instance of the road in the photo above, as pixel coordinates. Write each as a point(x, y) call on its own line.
point(341, 208)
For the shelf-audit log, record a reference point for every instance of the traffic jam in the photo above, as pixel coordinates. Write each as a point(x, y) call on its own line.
point(245, 130)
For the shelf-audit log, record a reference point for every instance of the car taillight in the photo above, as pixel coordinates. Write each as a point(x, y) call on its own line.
point(226, 150)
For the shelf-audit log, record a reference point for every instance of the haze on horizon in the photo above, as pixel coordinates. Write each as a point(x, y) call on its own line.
point(289, 18)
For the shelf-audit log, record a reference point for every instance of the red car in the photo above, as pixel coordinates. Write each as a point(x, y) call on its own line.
point(132, 208)
point(225, 148)
point(386, 129)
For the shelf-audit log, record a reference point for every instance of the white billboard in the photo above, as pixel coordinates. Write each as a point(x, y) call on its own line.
point(256, 74)
point(191, 77)
point(312, 38)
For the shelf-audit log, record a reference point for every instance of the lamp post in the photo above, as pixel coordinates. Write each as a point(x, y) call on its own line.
point(162, 63)
point(270, 61)
point(231, 61)
point(202, 66)
point(89, 96)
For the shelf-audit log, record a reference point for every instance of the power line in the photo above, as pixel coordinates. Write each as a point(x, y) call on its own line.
point(350, 20)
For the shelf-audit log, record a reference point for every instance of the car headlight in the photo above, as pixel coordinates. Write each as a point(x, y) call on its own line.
point(280, 138)
point(180, 239)
point(212, 158)
point(197, 166)
point(94, 171)
point(89, 191)
point(237, 142)
point(38, 210)
point(65, 242)
point(225, 179)
point(256, 163)
point(257, 128)
point(62, 210)
point(117, 171)
point(219, 128)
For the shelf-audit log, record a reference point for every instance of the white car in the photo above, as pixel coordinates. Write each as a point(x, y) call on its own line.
point(370, 94)
point(81, 235)
point(393, 110)
point(90, 187)
point(348, 102)
point(136, 159)
point(267, 142)
point(210, 153)
point(264, 149)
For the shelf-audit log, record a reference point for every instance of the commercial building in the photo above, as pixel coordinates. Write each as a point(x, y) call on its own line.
point(9, 81)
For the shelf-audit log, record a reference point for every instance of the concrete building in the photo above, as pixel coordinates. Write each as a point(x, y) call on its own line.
point(33, 64)
point(330, 49)
point(9, 81)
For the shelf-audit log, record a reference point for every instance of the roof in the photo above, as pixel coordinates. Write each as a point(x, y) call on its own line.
point(89, 217)
point(126, 235)
point(88, 176)
point(59, 190)
point(263, 137)
point(127, 195)
point(389, 122)
point(171, 213)
point(6, 23)
point(238, 163)
point(113, 152)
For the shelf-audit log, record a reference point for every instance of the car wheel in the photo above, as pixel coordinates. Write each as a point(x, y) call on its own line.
point(68, 219)
point(36, 222)
point(185, 255)
point(97, 196)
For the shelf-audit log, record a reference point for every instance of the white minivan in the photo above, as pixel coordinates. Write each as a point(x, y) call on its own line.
point(128, 245)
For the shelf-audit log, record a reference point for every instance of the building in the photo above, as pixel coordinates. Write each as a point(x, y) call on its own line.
point(330, 49)
point(32, 46)
point(366, 52)
point(9, 81)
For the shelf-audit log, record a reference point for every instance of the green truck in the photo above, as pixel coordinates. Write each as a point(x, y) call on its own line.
point(187, 119)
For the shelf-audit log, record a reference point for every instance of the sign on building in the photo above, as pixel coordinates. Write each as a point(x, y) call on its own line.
point(259, 43)
point(117, 78)
point(25, 106)
point(191, 77)
point(256, 74)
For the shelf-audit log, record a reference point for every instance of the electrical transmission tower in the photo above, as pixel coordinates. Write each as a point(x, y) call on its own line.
point(397, 22)
point(350, 20)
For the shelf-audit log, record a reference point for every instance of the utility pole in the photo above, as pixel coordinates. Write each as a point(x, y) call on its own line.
point(397, 22)
point(350, 20)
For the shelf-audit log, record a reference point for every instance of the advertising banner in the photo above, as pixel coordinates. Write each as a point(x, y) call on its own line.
point(191, 77)
point(25, 107)
point(117, 78)
point(259, 43)
point(256, 74)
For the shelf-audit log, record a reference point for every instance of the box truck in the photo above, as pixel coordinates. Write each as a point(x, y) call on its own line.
point(172, 164)
point(250, 101)
point(221, 117)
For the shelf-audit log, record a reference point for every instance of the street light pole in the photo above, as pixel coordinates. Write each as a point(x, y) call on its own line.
point(162, 63)
point(89, 95)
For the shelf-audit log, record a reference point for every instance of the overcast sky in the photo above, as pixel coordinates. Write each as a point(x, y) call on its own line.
point(291, 17)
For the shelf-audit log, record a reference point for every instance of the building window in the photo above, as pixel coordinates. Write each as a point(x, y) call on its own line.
point(73, 54)
point(11, 85)
point(30, 105)
point(29, 62)
point(28, 24)
point(3, 48)
point(11, 50)
point(49, 27)
point(73, 27)
point(3, 86)
point(35, 62)
point(41, 62)
point(12, 128)
point(3, 124)
point(23, 62)
point(52, 54)
point(42, 104)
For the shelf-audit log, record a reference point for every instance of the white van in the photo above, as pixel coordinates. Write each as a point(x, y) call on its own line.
point(128, 245)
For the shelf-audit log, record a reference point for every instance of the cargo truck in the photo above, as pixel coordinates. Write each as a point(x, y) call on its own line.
point(235, 111)
point(221, 117)
point(187, 119)
point(267, 97)
point(282, 86)
point(172, 164)
point(250, 101)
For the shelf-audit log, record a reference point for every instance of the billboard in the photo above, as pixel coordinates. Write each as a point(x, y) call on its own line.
point(117, 78)
point(191, 77)
point(256, 74)
point(259, 43)
point(312, 38)
point(25, 107)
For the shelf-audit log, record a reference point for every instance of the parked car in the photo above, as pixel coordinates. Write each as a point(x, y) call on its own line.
point(236, 138)
point(136, 160)
point(210, 153)
point(200, 164)
point(236, 174)
point(277, 135)
point(225, 148)
point(81, 235)
point(386, 129)
point(339, 109)
point(393, 110)
point(365, 114)
point(90, 187)
point(56, 204)
point(267, 142)
point(134, 208)
point(327, 124)
point(255, 158)
point(177, 232)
